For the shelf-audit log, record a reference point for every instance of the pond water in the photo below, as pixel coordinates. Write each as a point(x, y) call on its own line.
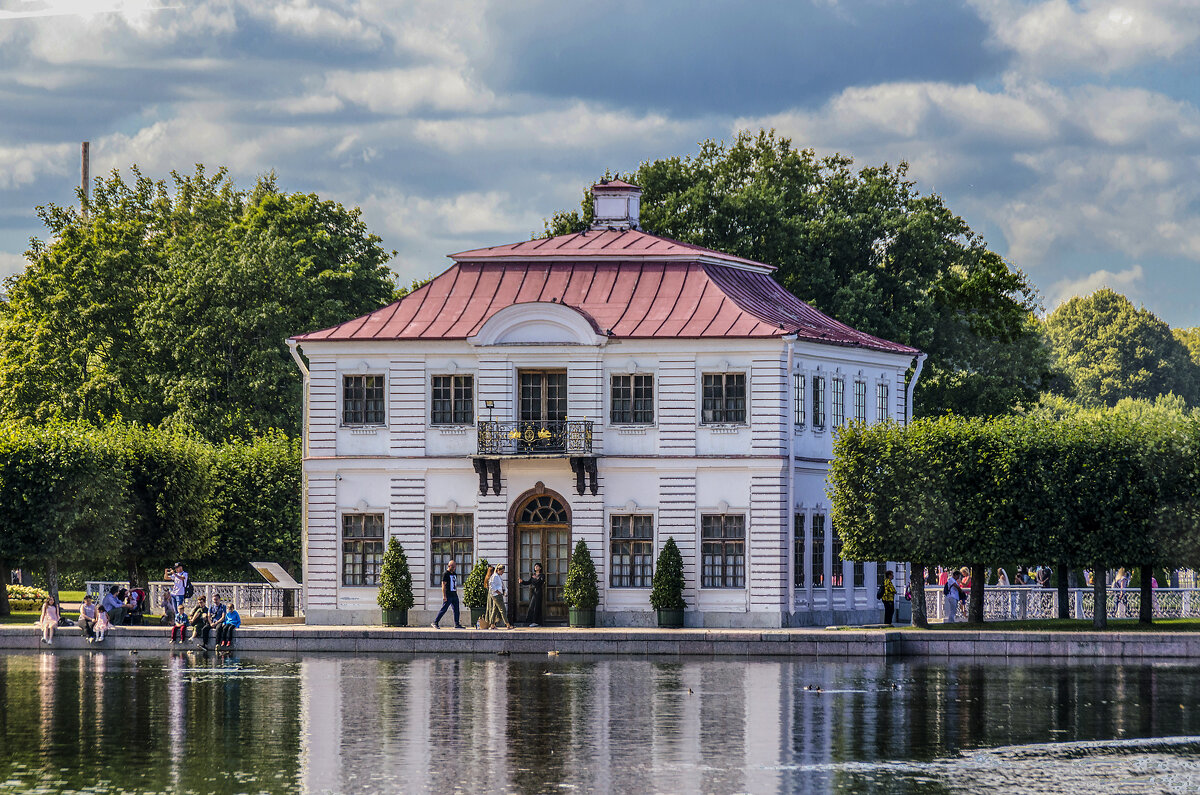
point(109, 722)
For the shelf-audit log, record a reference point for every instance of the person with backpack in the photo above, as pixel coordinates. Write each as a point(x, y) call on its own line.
point(887, 595)
point(181, 585)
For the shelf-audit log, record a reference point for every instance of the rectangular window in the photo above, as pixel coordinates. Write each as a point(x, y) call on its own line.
point(723, 551)
point(838, 407)
point(631, 551)
point(881, 402)
point(451, 537)
point(903, 418)
point(724, 398)
point(632, 400)
point(362, 400)
point(453, 400)
point(799, 381)
point(818, 550)
point(860, 401)
point(798, 551)
point(838, 573)
point(818, 401)
point(860, 574)
point(362, 548)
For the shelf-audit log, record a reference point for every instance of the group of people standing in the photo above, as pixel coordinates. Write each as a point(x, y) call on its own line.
point(497, 595)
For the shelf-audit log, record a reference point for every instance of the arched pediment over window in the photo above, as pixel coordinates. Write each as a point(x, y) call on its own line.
point(539, 323)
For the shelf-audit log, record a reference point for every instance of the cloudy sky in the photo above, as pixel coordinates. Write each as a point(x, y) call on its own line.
point(1067, 133)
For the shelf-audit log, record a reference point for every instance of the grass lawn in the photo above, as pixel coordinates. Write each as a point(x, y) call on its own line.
point(70, 596)
point(21, 618)
point(1061, 625)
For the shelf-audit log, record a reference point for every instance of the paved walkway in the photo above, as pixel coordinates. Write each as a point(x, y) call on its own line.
point(705, 642)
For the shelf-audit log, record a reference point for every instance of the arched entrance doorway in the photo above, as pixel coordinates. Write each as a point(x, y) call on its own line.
point(540, 533)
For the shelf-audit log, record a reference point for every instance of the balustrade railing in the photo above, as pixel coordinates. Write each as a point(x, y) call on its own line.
point(253, 599)
point(534, 438)
point(1029, 602)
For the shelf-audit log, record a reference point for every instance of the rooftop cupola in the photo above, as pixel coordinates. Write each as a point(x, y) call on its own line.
point(616, 204)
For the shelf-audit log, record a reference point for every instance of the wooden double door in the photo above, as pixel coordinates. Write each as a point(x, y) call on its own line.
point(541, 534)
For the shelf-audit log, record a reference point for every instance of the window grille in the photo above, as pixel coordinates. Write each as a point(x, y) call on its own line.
point(362, 400)
point(631, 551)
point(632, 400)
point(723, 551)
point(453, 400)
point(724, 398)
point(362, 548)
point(451, 537)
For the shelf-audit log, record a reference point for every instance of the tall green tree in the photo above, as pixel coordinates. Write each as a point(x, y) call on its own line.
point(864, 247)
point(258, 495)
point(1110, 349)
point(171, 303)
point(62, 498)
point(171, 490)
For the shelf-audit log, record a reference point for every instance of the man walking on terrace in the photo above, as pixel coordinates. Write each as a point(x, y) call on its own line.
point(449, 596)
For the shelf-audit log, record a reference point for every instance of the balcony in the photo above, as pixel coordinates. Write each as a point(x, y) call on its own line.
point(537, 439)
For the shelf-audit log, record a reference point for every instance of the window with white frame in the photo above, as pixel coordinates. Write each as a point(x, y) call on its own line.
point(837, 406)
point(631, 551)
point(631, 399)
point(860, 401)
point(798, 551)
point(818, 550)
point(723, 551)
point(362, 548)
point(818, 401)
point(362, 400)
point(839, 579)
point(724, 398)
point(903, 418)
point(452, 400)
point(881, 402)
point(451, 537)
point(799, 380)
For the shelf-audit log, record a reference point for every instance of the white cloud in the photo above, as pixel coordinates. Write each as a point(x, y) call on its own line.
point(11, 264)
point(1127, 282)
point(402, 91)
point(21, 165)
point(1092, 35)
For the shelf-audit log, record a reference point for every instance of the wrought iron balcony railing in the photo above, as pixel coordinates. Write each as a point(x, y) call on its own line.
point(536, 438)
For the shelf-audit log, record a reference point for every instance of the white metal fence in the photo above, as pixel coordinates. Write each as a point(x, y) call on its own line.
point(1028, 602)
point(252, 599)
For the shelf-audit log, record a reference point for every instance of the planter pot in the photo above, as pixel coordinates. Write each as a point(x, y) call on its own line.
point(672, 619)
point(583, 616)
point(395, 618)
point(476, 614)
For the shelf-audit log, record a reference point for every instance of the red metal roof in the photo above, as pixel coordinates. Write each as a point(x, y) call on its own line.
point(616, 184)
point(628, 298)
point(622, 245)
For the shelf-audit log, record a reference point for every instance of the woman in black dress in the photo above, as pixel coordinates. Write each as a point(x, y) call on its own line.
point(536, 583)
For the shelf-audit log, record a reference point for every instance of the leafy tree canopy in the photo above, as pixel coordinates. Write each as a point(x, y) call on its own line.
point(864, 247)
point(171, 304)
point(1111, 350)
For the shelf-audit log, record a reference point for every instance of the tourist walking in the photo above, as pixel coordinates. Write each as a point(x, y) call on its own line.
point(496, 596)
point(179, 584)
point(449, 596)
point(87, 618)
point(225, 631)
point(201, 629)
point(49, 620)
point(489, 610)
point(537, 584)
point(102, 624)
point(113, 605)
point(887, 595)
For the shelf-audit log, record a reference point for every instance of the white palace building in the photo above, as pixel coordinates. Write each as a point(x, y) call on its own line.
point(612, 386)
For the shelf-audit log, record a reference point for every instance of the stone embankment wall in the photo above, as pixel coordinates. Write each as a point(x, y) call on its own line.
point(707, 642)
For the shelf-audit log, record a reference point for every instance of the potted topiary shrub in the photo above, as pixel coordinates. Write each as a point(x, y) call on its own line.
point(580, 591)
point(475, 590)
point(666, 593)
point(395, 586)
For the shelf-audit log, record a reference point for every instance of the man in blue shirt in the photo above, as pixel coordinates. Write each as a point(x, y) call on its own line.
point(113, 606)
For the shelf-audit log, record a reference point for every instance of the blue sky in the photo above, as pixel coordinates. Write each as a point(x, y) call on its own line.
point(1067, 133)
